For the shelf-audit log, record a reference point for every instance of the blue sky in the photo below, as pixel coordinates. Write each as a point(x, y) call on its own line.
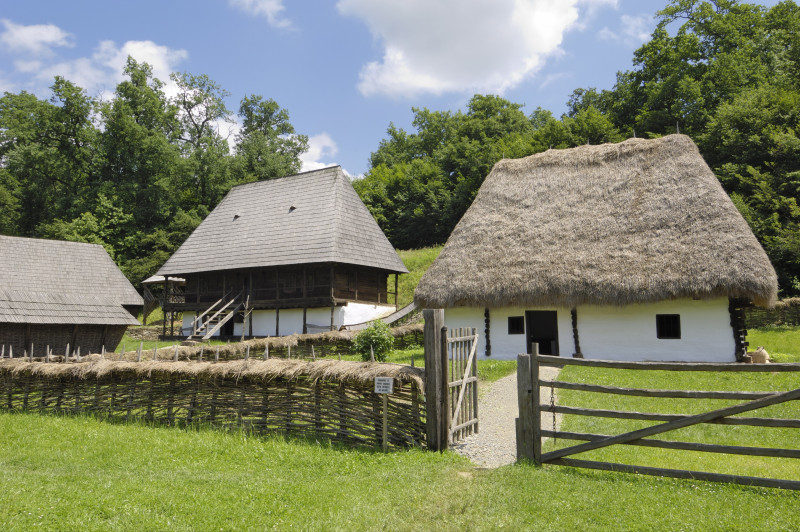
point(344, 69)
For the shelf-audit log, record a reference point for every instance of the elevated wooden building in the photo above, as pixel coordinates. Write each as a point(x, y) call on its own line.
point(55, 293)
point(291, 255)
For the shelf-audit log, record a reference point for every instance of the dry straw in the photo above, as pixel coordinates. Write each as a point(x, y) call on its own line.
point(635, 222)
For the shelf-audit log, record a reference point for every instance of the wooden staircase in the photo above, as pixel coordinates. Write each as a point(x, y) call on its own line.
point(224, 309)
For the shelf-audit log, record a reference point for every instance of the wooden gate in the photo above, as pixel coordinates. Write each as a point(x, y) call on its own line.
point(530, 431)
point(460, 346)
point(451, 381)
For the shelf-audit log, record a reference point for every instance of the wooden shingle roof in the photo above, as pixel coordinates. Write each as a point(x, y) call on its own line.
point(313, 217)
point(57, 282)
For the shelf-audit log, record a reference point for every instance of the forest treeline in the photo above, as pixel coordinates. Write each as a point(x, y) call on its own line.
point(725, 73)
point(137, 173)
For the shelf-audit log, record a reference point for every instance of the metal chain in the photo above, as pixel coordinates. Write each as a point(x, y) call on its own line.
point(553, 410)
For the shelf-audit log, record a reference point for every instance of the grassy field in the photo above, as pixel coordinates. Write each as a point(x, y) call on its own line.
point(79, 473)
point(417, 262)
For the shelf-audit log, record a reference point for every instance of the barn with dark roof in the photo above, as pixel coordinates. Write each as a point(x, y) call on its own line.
point(619, 251)
point(291, 255)
point(57, 294)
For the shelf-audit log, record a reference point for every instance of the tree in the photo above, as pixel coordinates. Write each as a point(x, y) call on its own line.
point(140, 145)
point(267, 145)
point(201, 109)
point(49, 153)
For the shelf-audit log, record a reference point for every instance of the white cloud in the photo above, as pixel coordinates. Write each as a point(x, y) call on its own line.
point(459, 45)
point(638, 28)
point(104, 69)
point(633, 31)
point(319, 147)
point(36, 39)
point(269, 9)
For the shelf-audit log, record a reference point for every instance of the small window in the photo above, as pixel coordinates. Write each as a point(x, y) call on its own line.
point(516, 325)
point(668, 326)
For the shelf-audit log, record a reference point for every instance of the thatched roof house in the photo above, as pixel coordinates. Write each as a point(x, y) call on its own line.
point(634, 223)
point(304, 242)
point(54, 293)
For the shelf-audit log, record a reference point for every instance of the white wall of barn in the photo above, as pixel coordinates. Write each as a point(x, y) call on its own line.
point(290, 321)
point(616, 333)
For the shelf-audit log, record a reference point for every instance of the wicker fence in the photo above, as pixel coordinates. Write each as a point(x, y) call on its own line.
point(785, 312)
point(326, 398)
point(309, 346)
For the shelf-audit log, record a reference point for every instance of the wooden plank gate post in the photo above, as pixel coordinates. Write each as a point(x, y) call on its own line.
point(436, 407)
point(529, 429)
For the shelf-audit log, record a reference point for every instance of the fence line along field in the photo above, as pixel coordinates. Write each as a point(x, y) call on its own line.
point(325, 398)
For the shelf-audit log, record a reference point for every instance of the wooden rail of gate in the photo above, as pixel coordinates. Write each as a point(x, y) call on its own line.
point(530, 431)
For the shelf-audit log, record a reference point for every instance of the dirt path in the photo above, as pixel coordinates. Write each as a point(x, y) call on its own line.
point(496, 443)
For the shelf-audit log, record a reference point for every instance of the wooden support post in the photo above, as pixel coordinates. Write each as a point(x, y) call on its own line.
point(528, 401)
point(305, 323)
point(277, 322)
point(396, 306)
point(435, 386)
point(385, 439)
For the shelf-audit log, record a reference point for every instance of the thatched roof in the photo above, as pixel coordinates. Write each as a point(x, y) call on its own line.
point(313, 217)
point(634, 222)
point(57, 282)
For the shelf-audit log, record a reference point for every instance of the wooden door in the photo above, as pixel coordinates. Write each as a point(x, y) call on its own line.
point(541, 326)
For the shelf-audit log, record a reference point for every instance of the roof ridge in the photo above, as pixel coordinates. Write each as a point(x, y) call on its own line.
point(281, 178)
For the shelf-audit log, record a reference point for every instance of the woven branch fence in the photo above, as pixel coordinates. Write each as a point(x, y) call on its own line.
point(785, 312)
point(320, 345)
point(327, 398)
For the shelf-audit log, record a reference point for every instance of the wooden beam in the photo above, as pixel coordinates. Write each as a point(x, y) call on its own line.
point(679, 473)
point(547, 360)
point(277, 322)
point(772, 399)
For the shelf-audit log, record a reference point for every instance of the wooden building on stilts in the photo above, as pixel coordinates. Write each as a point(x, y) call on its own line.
point(284, 256)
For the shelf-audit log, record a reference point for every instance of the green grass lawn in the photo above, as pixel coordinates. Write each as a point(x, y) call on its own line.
point(80, 473)
point(782, 343)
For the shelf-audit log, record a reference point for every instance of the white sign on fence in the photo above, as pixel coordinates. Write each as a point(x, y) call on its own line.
point(384, 384)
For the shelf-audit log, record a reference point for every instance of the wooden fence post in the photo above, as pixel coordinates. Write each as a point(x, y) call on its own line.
point(529, 420)
point(436, 406)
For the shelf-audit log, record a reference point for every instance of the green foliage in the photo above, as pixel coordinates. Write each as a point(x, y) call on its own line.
point(376, 338)
point(420, 184)
point(136, 173)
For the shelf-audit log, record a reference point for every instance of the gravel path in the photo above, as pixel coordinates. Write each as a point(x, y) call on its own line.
point(496, 443)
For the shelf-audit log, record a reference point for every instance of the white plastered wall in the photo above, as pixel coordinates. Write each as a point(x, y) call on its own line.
point(629, 333)
point(361, 312)
point(507, 346)
point(290, 321)
point(616, 333)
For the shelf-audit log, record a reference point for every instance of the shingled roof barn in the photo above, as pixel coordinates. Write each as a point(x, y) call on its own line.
point(284, 256)
point(620, 251)
point(55, 293)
